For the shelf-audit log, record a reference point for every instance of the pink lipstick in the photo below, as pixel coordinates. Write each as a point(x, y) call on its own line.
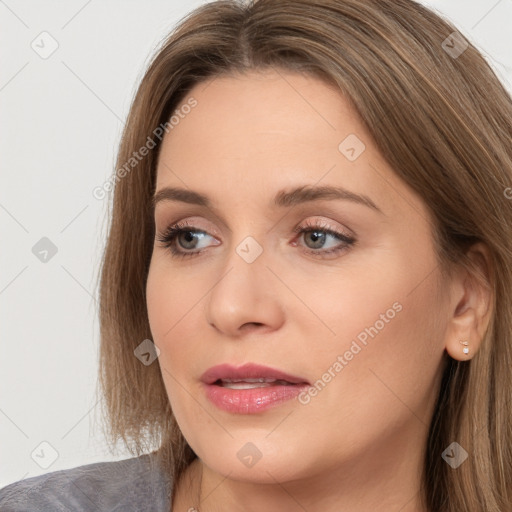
point(250, 388)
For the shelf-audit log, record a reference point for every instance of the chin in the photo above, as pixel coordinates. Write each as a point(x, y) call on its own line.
point(254, 458)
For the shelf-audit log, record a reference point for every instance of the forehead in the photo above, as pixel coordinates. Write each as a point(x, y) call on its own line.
point(253, 134)
point(236, 112)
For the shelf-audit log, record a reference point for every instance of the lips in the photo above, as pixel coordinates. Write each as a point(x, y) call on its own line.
point(249, 372)
point(250, 388)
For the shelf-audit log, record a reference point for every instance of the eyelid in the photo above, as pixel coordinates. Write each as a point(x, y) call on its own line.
point(312, 222)
point(316, 222)
point(189, 213)
point(192, 223)
point(169, 235)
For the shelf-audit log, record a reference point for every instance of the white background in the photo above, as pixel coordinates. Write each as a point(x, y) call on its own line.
point(61, 122)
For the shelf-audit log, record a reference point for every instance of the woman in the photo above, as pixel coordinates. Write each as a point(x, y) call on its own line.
point(305, 291)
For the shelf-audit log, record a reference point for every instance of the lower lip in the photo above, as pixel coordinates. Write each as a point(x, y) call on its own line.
point(251, 401)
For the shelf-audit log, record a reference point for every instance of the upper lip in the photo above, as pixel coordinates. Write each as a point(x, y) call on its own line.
point(248, 371)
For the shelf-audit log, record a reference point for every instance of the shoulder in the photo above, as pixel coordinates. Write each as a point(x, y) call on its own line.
point(125, 485)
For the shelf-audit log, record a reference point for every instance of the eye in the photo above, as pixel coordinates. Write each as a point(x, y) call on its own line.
point(172, 233)
point(320, 233)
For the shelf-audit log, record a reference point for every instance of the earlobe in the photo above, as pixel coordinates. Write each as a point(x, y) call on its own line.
point(463, 352)
point(472, 308)
point(466, 348)
point(462, 340)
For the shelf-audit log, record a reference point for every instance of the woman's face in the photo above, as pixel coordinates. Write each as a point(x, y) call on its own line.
point(359, 322)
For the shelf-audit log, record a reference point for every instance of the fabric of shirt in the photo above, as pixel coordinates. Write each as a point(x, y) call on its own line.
point(136, 484)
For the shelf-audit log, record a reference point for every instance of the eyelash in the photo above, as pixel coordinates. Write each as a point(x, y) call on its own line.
point(168, 237)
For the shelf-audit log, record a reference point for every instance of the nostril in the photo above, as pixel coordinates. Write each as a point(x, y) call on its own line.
point(248, 325)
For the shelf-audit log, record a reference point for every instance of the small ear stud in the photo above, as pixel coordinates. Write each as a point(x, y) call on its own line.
point(465, 349)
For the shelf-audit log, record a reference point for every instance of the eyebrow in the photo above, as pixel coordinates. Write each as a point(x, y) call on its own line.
point(283, 199)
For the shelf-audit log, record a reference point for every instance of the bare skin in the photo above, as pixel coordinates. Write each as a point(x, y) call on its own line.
point(357, 444)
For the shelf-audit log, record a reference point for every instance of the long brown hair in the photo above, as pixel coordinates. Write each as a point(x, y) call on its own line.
point(443, 121)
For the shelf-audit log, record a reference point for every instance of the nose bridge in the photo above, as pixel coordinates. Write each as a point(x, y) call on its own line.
point(249, 234)
point(244, 292)
point(245, 266)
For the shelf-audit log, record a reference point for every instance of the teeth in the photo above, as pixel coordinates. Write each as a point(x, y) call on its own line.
point(251, 383)
point(248, 380)
point(246, 385)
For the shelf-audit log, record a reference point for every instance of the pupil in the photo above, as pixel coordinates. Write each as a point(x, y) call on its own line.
point(317, 237)
point(188, 235)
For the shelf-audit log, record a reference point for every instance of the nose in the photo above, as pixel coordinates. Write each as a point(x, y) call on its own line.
point(245, 299)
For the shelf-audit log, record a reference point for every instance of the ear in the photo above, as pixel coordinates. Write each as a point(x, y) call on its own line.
point(470, 305)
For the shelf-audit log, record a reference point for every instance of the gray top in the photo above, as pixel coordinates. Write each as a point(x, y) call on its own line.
point(120, 486)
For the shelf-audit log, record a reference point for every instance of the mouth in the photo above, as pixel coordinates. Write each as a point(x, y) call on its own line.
point(250, 388)
point(251, 383)
point(249, 373)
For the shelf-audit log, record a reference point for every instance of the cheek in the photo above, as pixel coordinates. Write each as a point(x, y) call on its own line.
point(160, 305)
point(169, 304)
point(384, 357)
point(169, 300)
point(173, 305)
